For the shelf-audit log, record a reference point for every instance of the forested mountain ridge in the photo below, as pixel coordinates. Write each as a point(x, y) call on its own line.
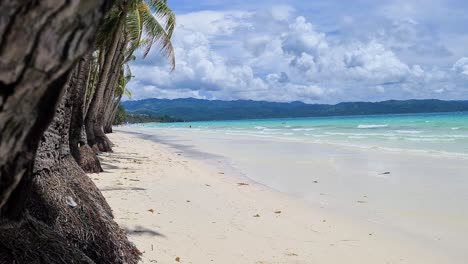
point(191, 109)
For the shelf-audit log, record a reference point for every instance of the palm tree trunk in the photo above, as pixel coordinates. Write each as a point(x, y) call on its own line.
point(90, 86)
point(39, 43)
point(114, 111)
point(108, 110)
point(102, 141)
point(79, 147)
point(93, 129)
point(58, 180)
point(111, 97)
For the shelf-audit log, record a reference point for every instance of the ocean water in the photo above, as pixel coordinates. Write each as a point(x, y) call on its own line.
point(434, 133)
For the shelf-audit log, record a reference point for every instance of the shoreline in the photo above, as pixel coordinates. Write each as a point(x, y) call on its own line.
point(359, 147)
point(232, 223)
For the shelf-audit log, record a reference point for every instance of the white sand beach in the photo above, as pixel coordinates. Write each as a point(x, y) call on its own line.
point(177, 208)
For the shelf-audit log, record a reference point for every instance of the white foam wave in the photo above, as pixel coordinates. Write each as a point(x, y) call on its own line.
point(408, 131)
point(371, 126)
point(303, 129)
point(356, 137)
point(430, 139)
point(359, 134)
point(455, 128)
point(444, 136)
point(259, 127)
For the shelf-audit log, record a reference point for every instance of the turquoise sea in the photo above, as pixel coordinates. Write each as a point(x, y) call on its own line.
point(437, 133)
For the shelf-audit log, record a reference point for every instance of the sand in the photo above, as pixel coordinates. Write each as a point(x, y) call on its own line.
point(179, 209)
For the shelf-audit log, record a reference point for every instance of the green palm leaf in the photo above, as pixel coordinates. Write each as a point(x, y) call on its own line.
point(163, 12)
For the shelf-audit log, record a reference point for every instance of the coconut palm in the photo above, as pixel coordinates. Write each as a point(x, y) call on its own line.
point(41, 43)
point(130, 25)
point(119, 91)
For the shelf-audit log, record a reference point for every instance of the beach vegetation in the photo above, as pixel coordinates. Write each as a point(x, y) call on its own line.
point(63, 72)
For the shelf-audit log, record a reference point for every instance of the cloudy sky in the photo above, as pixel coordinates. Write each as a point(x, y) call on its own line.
point(321, 51)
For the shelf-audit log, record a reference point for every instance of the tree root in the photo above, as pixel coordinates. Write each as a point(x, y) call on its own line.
point(68, 201)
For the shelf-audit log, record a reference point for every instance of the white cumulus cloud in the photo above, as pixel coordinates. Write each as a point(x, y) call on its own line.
point(280, 55)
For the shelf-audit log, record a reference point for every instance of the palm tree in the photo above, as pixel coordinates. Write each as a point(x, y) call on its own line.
point(119, 91)
point(41, 41)
point(129, 26)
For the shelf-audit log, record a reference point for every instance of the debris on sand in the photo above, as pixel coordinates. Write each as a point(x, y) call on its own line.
point(69, 200)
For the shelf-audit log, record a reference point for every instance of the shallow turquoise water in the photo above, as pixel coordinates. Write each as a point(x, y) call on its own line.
point(444, 133)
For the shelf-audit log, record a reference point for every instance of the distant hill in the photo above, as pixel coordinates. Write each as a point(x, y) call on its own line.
point(190, 109)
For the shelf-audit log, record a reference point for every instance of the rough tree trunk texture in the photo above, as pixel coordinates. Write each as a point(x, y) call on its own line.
point(102, 141)
point(44, 245)
point(80, 150)
point(112, 113)
point(107, 112)
point(93, 130)
point(116, 71)
point(66, 199)
point(90, 90)
point(115, 108)
point(39, 42)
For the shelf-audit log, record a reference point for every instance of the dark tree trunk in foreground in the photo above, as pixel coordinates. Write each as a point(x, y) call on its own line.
point(69, 221)
point(66, 199)
point(44, 245)
point(79, 147)
point(39, 42)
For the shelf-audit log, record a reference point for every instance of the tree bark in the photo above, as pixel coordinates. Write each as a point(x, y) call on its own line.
point(102, 141)
point(111, 114)
point(66, 199)
point(90, 86)
point(117, 71)
point(79, 147)
point(111, 96)
point(93, 129)
point(39, 43)
point(115, 109)
point(107, 112)
point(31, 242)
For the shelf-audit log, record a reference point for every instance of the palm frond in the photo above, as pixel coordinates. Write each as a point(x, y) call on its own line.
point(107, 28)
point(128, 93)
point(133, 29)
point(155, 34)
point(163, 12)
